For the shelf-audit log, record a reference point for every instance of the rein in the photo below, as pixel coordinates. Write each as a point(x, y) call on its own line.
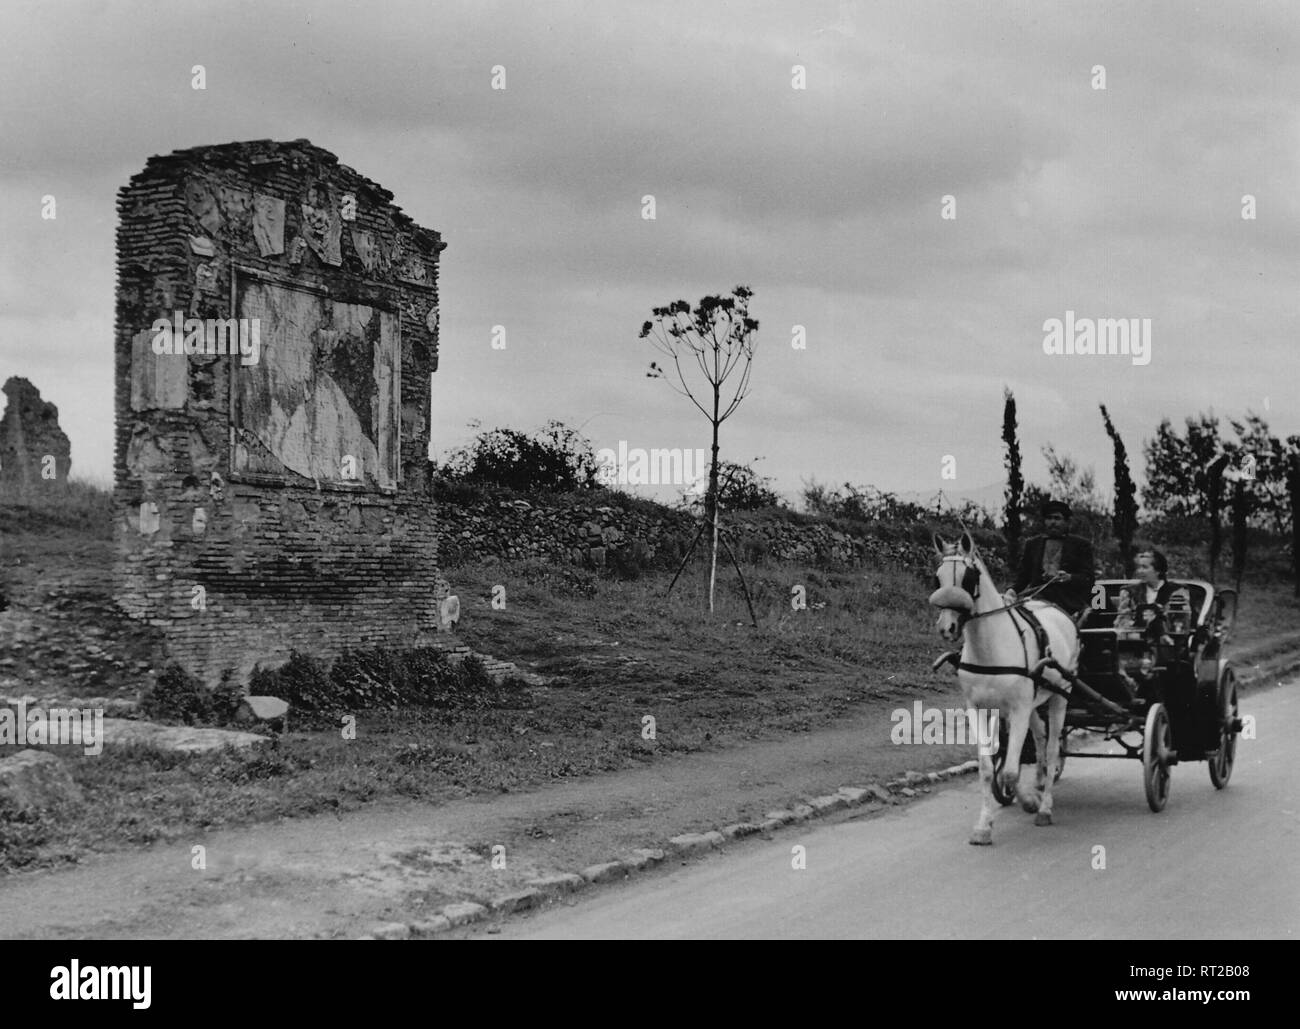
point(1030, 595)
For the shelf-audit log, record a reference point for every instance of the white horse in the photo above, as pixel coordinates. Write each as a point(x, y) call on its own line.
point(998, 662)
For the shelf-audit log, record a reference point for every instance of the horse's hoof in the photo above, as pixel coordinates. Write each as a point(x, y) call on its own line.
point(981, 838)
point(1029, 804)
point(1042, 818)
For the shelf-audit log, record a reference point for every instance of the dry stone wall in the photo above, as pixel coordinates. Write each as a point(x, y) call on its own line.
point(277, 325)
point(570, 529)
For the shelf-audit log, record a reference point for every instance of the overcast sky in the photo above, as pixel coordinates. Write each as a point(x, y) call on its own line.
point(1117, 203)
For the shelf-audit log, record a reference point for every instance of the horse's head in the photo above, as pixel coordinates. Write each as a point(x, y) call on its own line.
point(958, 577)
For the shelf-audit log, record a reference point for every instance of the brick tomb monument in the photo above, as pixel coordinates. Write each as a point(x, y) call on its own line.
point(277, 326)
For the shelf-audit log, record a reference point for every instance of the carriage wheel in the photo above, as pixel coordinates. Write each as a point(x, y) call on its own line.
point(999, 762)
point(1221, 763)
point(1155, 757)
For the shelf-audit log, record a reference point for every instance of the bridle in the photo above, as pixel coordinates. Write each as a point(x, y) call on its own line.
point(970, 585)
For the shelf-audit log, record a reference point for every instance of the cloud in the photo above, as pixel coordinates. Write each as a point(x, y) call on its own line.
point(1117, 203)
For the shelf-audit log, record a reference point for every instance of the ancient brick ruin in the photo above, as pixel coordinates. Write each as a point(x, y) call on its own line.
point(277, 325)
point(32, 446)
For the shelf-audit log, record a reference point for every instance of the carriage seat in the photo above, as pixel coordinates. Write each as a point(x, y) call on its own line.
point(1106, 647)
point(1105, 603)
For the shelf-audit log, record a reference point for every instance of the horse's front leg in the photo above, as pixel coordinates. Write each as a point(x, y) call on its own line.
point(1032, 801)
point(1017, 717)
point(982, 834)
point(1051, 758)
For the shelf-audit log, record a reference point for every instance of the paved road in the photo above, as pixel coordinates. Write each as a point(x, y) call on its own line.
point(1212, 864)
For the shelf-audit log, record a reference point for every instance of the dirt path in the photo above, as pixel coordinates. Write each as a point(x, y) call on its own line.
point(335, 876)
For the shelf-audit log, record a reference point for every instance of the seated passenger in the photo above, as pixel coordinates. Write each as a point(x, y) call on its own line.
point(1148, 600)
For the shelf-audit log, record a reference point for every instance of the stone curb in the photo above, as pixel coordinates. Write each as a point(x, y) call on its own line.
point(604, 872)
point(520, 900)
point(565, 882)
point(546, 889)
point(695, 843)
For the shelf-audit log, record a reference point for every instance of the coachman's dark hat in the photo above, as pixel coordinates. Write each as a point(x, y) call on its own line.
point(1052, 507)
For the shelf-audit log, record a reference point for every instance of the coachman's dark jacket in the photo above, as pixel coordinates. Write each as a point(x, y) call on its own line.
point(1076, 559)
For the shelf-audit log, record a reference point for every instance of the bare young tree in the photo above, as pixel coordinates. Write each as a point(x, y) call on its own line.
point(718, 337)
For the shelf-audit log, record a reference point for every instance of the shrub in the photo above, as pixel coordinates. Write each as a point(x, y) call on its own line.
point(554, 458)
point(302, 681)
point(420, 677)
point(581, 581)
point(427, 676)
point(177, 696)
point(24, 832)
point(744, 489)
point(226, 698)
point(367, 679)
point(740, 488)
point(472, 686)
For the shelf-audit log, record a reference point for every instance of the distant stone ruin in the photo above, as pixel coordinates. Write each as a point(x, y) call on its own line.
point(277, 326)
point(32, 446)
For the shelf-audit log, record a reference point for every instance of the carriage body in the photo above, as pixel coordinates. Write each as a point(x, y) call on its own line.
point(1179, 664)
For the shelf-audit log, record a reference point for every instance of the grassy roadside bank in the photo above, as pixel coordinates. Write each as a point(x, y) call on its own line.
point(615, 653)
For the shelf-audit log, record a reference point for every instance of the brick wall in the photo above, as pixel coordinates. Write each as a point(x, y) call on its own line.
point(230, 476)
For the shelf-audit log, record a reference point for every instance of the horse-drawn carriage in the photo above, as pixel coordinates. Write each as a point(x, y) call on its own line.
point(1155, 682)
point(1163, 691)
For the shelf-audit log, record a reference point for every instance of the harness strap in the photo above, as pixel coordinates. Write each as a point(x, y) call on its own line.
point(994, 669)
point(1024, 673)
point(1044, 650)
point(1051, 687)
point(1040, 634)
point(1024, 648)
